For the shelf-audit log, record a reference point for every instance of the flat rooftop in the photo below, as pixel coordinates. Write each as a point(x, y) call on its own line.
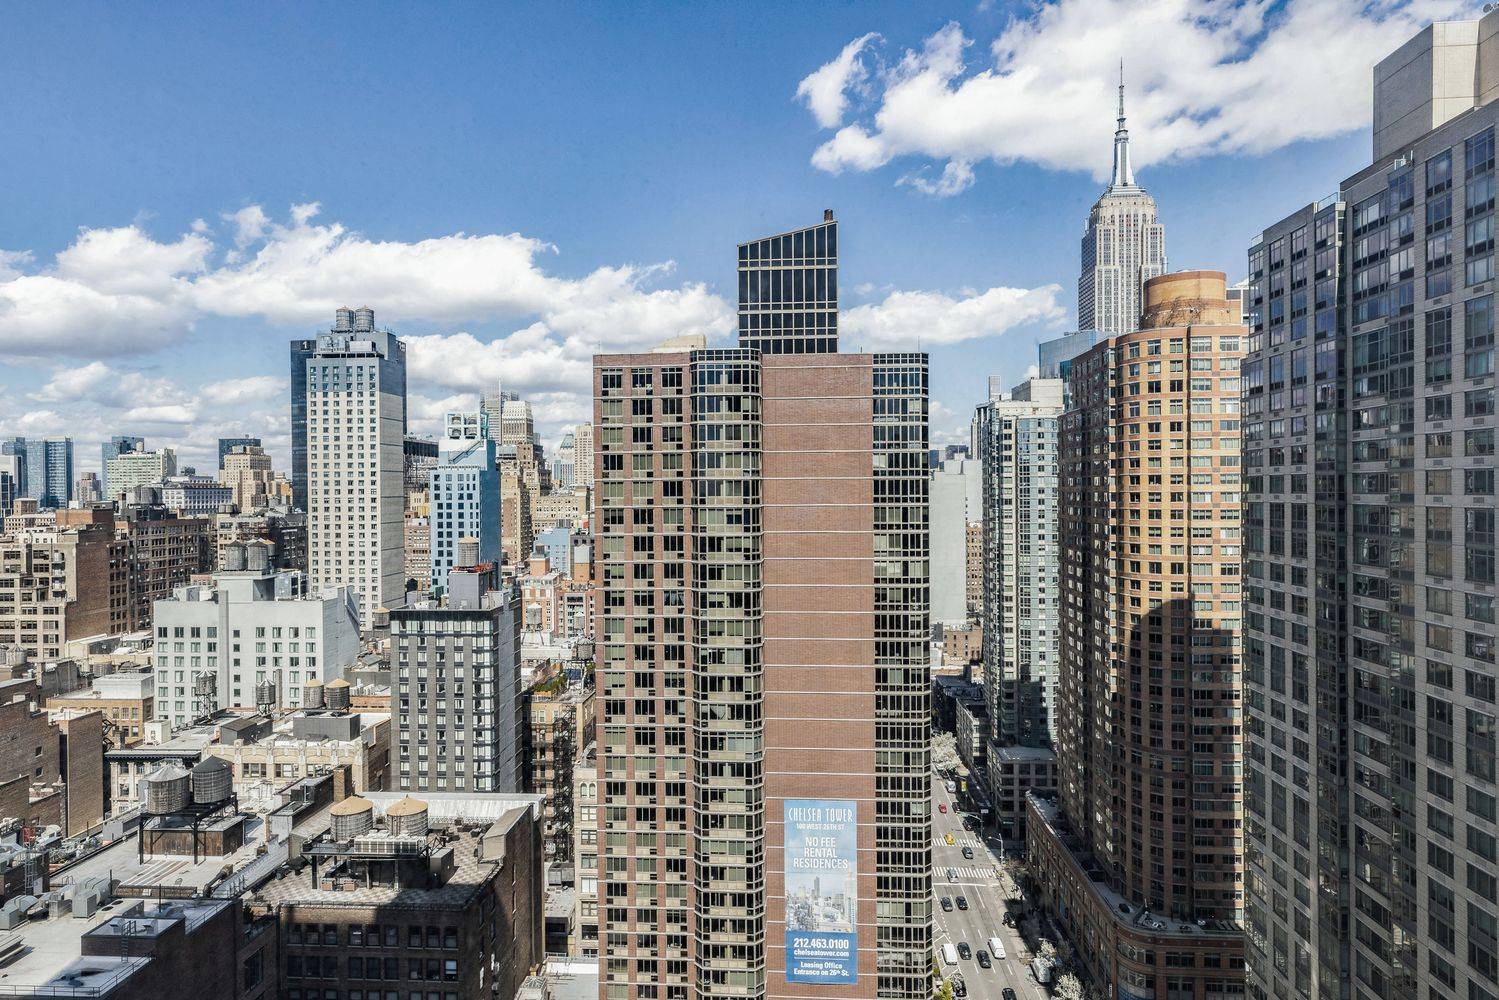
point(1120, 909)
point(186, 744)
point(572, 979)
point(51, 962)
point(1022, 755)
point(468, 876)
point(173, 873)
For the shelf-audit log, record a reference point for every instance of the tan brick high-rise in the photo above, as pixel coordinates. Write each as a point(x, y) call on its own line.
point(1145, 852)
point(762, 624)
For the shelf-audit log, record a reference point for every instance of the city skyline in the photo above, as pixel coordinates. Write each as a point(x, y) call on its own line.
point(158, 301)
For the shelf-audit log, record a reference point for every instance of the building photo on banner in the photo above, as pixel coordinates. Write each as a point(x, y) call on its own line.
point(822, 896)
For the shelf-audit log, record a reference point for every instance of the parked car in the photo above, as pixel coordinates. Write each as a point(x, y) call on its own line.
point(964, 952)
point(946, 905)
point(983, 958)
point(962, 902)
point(959, 988)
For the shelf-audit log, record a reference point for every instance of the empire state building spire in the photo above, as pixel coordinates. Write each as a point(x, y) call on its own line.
point(1123, 176)
point(1124, 246)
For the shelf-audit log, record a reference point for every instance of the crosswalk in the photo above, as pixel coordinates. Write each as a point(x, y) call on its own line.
point(965, 874)
point(959, 842)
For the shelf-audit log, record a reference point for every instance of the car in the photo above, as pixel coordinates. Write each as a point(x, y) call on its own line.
point(952, 874)
point(951, 840)
point(946, 905)
point(968, 854)
point(964, 952)
point(983, 959)
point(962, 902)
point(942, 807)
point(959, 988)
point(968, 823)
point(1007, 994)
point(1009, 920)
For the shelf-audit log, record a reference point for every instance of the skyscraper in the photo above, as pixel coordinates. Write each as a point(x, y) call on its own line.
point(16, 448)
point(455, 697)
point(954, 499)
point(564, 464)
point(117, 446)
point(1017, 442)
point(49, 471)
point(1141, 864)
point(138, 467)
point(246, 469)
point(493, 405)
point(788, 291)
point(762, 527)
point(226, 445)
point(1123, 248)
point(464, 495)
point(1370, 640)
point(583, 455)
point(356, 416)
point(301, 351)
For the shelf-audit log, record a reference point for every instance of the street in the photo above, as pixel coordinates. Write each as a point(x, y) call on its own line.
point(983, 919)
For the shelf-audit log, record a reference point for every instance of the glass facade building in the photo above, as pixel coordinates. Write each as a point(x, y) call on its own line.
point(762, 623)
point(1370, 423)
point(788, 291)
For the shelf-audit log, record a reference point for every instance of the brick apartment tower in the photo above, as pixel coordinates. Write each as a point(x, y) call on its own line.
point(1141, 866)
point(761, 517)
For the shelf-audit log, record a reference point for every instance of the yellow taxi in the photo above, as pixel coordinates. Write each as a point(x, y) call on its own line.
point(948, 837)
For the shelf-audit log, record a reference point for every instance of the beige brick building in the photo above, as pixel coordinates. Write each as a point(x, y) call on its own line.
point(1149, 752)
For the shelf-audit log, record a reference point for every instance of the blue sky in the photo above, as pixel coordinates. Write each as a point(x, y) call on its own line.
point(515, 187)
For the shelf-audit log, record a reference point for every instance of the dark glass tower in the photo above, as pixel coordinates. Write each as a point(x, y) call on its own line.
point(226, 445)
point(788, 291)
point(301, 351)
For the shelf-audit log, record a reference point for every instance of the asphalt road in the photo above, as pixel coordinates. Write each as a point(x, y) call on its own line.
point(986, 907)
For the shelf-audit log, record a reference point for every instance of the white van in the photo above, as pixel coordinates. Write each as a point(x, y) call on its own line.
point(949, 954)
point(997, 948)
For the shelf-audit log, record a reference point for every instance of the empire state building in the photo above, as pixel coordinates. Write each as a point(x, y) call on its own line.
point(1124, 247)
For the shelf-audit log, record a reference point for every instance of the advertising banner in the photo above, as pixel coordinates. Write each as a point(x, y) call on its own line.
point(822, 890)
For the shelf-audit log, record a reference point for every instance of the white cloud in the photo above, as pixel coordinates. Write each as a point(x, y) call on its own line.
point(1205, 77)
point(956, 178)
point(93, 401)
point(118, 291)
point(255, 388)
point(931, 319)
point(68, 384)
point(161, 413)
point(825, 89)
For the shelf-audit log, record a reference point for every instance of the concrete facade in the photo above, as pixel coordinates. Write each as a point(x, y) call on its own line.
point(253, 625)
point(1370, 423)
point(356, 427)
point(1017, 439)
point(456, 687)
point(956, 501)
